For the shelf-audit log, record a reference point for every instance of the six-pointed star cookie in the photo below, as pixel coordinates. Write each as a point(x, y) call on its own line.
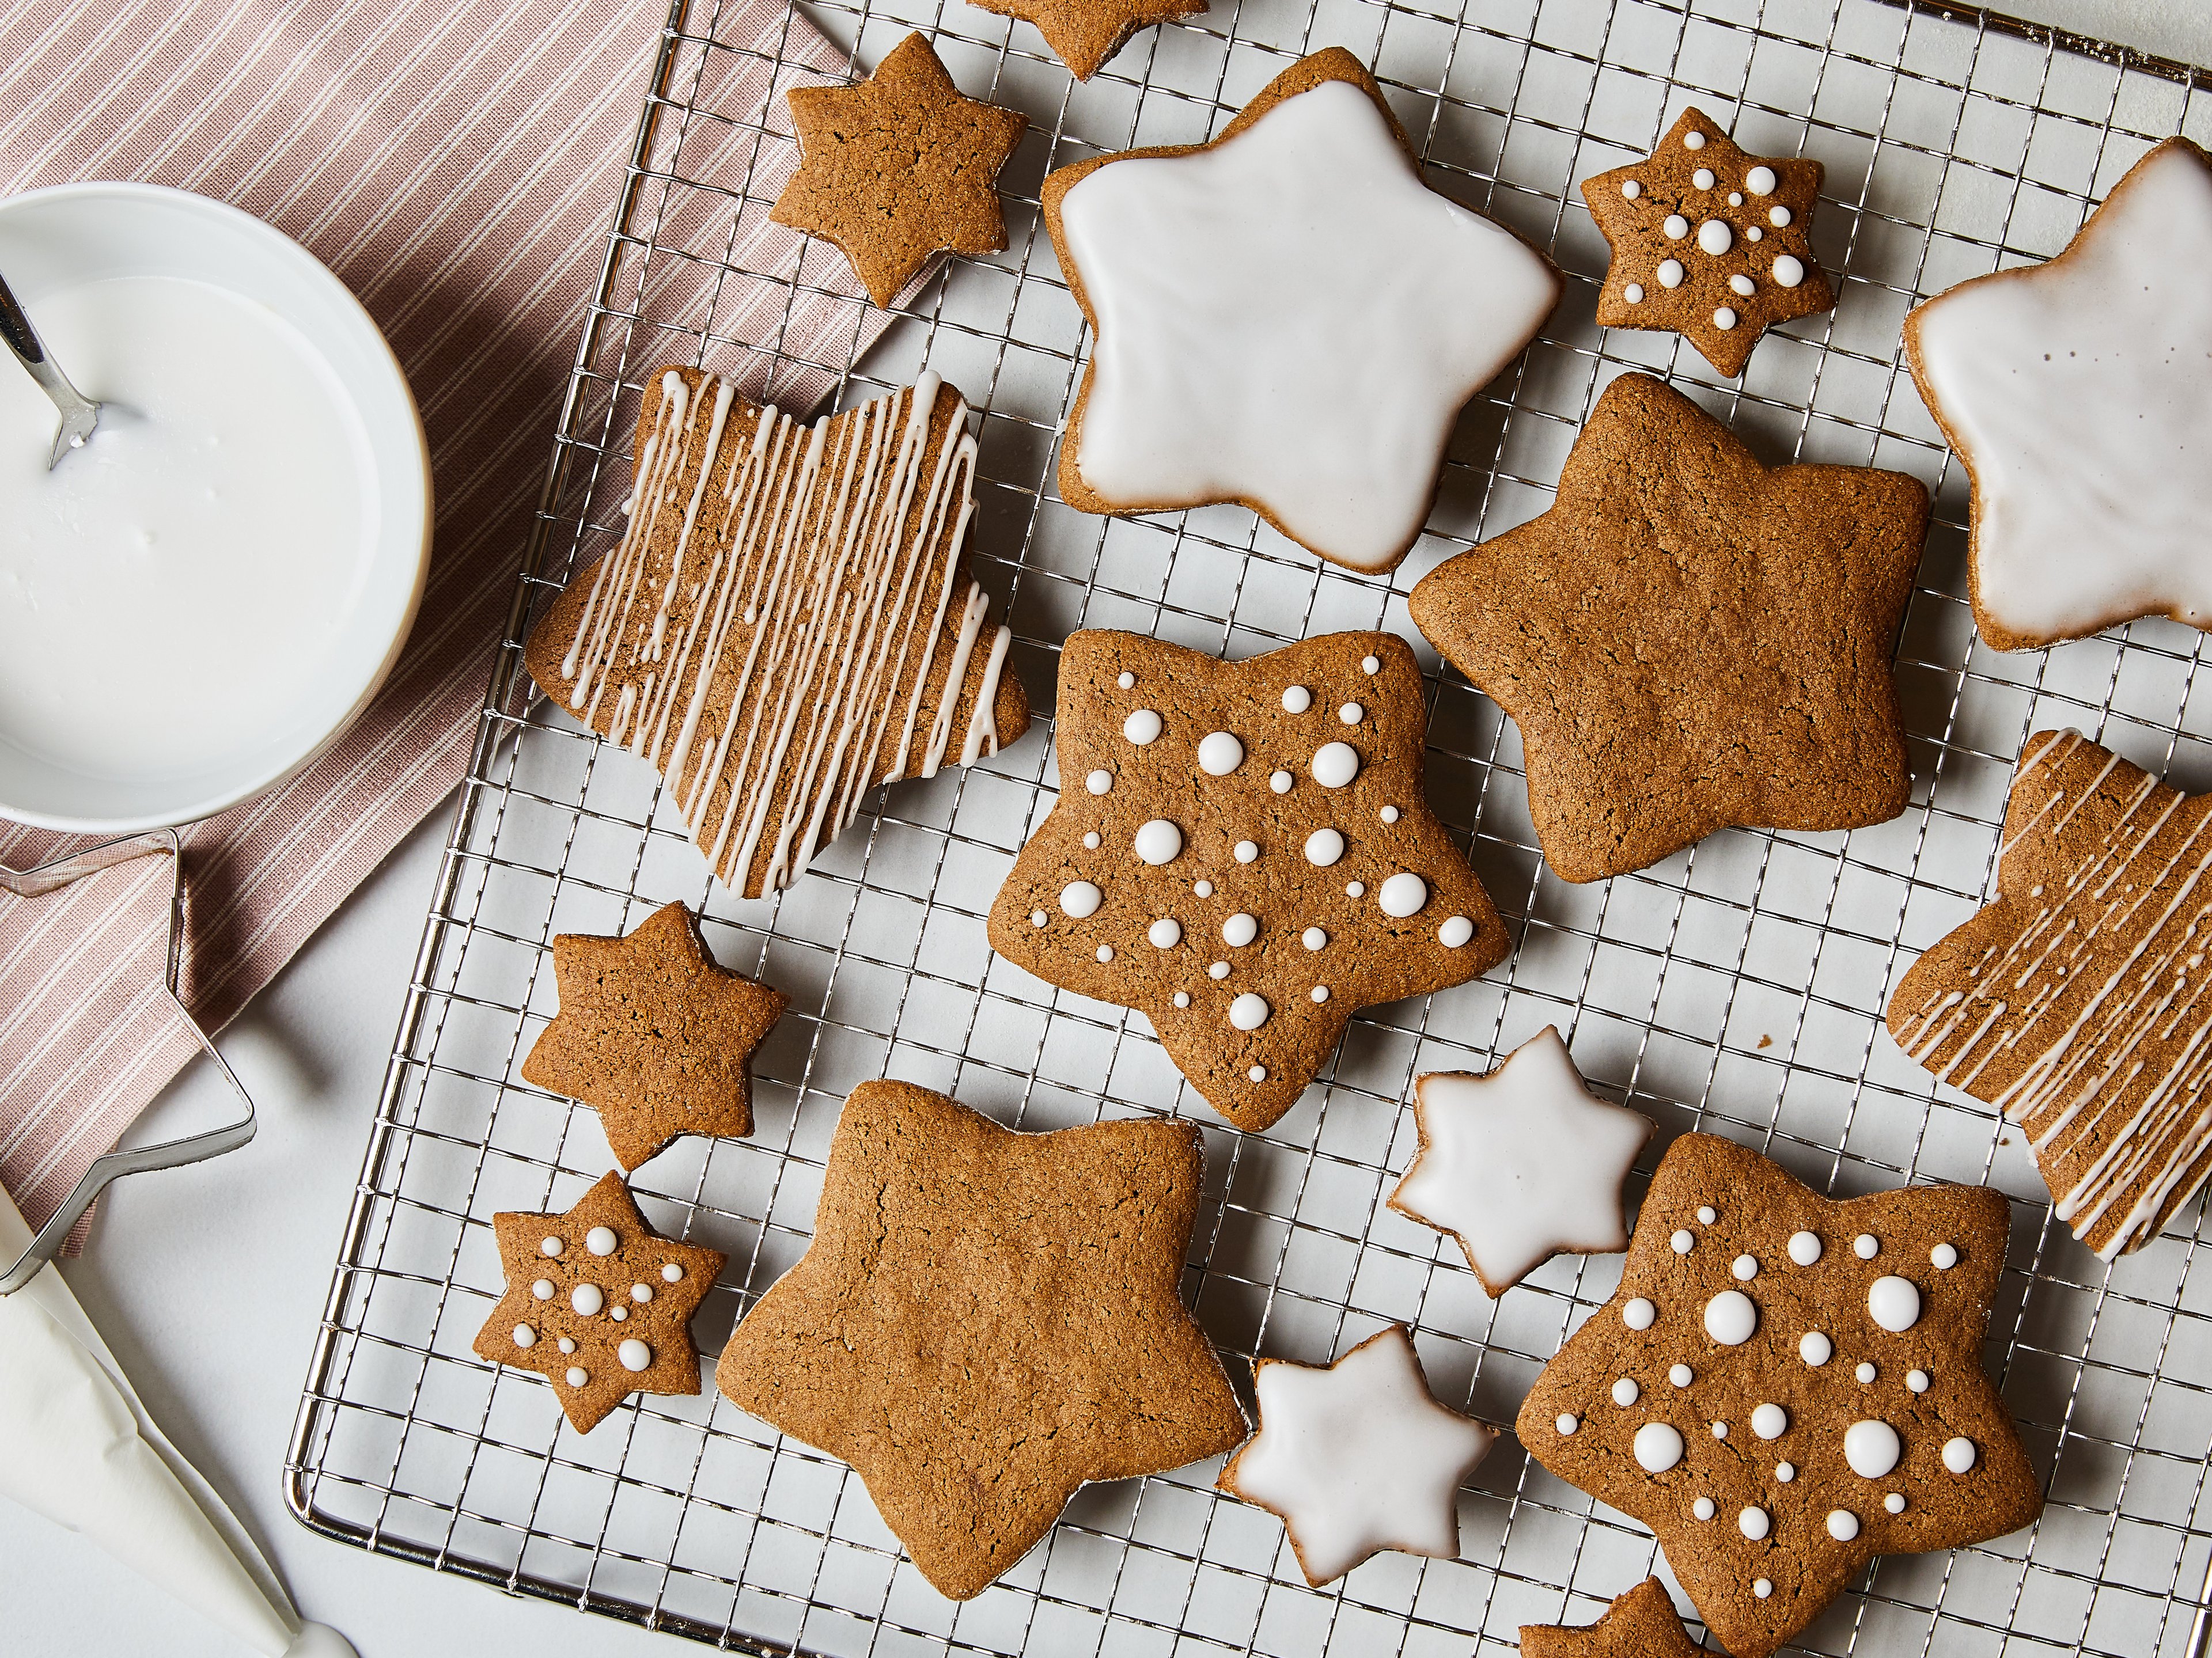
point(1286, 316)
point(985, 1320)
point(1084, 33)
point(2076, 1000)
point(1521, 1164)
point(1689, 639)
point(1785, 1386)
point(1708, 241)
point(598, 1302)
point(652, 1034)
point(898, 168)
point(1358, 1456)
point(2079, 394)
point(1640, 1623)
point(1243, 851)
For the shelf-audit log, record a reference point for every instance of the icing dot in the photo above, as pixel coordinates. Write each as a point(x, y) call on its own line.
point(1702, 1509)
point(1323, 847)
point(1566, 1424)
point(1351, 713)
point(1742, 284)
point(543, 1289)
point(1944, 1257)
point(1403, 895)
point(1788, 269)
point(1762, 1587)
point(1090, 841)
point(1080, 900)
point(1297, 699)
point(1335, 764)
point(618, 1314)
point(1894, 1502)
point(525, 1336)
point(1916, 1381)
point(1703, 178)
point(1894, 1304)
point(1735, 198)
point(1456, 932)
point(1141, 727)
point(1779, 217)
point(1105, 952)
point(586, 1299)
point(1730, 1318)
point(1658, 1447)
point(1770, 1422)
point(1183, 998)
point(1752, 232)
point(1693, 140)
point(1724, 318)
point(1165, 933)
point(1127, 681)
point(1843, 1526)
point(1816, 1349)
point(1220, 754)
point(1625, 1392)
point(1670, 273)
point(1371, 664)
point(577, 1375)
point(1321, 993)
point(1036, 918)
point(1707, 1215)
point(601, 1240)
point(1866, 1373)
point(1865, 1246)
point(672, 1274)
point(1785, 1472)
point(565, 1345)
point(1754, 1523)
point(1633, 293)
point(1958, 1456)
point(1157, 842)
point(549, 1247)
point(1871, 1448)
point(640, 1292)
point(1258, 1073)
point(1203, 888)
point(1715, 237)
point(1388, 814)
point(1313, 938)
point(1245, 850)
point(1240, 929)
point(1720, 1431)
point(1745, 1268)
point(1760, 181)
point(1355, 888)
point(1631, 189)
point(635, 1355)
point(1676, 227)
point(1248, 1011)
point(1804, 1248)
point(1218, 970)
point(1639, 1314)
point(1099, 782)
point(1280, 781)
point(1682, 1242)
point(1680, 1375)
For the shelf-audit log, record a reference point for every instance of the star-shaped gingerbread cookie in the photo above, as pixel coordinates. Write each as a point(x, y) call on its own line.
point(1690, 639)
point(1084, 33)
point(598, 1302)
point(1785, 1386)
point(652, 1034)
point(986, 1320)
point(1708, 241)
point(899, 168)
point(2076, 1000)
point(1242, 851)
point(1640, 1623)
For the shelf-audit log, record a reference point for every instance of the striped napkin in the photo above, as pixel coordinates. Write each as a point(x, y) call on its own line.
point(456, 162)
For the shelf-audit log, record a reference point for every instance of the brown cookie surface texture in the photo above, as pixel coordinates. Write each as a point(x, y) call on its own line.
point(986, 1320)
point(788, 621)
point(898, 168)
point(598, 1302)
point(1785, 1386)
point(1084, 33)
point(1708, 241)
point(1243, 851)
point(1689, 639)
point(1640, 1623)
point(2074, 1001)
point(652, 1034)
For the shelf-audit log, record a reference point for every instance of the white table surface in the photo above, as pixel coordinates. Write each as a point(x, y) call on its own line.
point(208, 1282)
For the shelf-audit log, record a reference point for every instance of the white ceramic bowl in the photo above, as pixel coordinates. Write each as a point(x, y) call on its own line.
point(69, 234)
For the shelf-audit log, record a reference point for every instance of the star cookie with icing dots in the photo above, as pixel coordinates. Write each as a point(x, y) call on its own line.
point(1708, 241)
point(986, 1320)
point(1286, 316)
point(2079, 395)
point(899, 168)
point(1242, 852)
point(1785, 1386)
point(1084, 33)
point(1358, 1456)
point(1640, 1623)
point(654, 1034)
point(2075, 1001)
point(1689, 639)
point(598, 1302)
point(1520, 1164)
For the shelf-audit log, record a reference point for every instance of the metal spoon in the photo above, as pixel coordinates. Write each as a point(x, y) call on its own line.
point(80, 415)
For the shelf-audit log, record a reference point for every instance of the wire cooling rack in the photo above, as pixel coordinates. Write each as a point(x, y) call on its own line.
point(1736, 987)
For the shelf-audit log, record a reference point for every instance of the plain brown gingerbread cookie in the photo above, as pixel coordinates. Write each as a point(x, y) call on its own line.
point(1640, 1623)
point(1084, 33)
point(986, 1320)
point(1689, 639)
point(1785, 1386)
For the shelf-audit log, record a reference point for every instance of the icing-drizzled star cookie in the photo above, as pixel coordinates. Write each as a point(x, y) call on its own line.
point(1520, 1164)
point(1640, 1623)
point(1242, 851)
point(2076, 1001)
point(1084, 33)
point(1689, 639)
point(1708, 241)
point(2079, 395)
point(788, 621)
point(598, 1302)
point(1287, 318)
point(1358, 1456)
point(1785, 1386)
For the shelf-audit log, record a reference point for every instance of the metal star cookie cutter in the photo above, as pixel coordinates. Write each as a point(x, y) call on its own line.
point(51, 877)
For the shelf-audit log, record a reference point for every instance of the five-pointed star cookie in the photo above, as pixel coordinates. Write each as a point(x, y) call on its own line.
point(1084, 33)
point(1521, 1164)
point(1286, 316)
point(2079, 395)
point(598, 1302)
point(1357, 1457)
point(1689, 639)
point(652, 1034)
point(986, 1320)
point(1640, 1623)
point(2076, 1000)
point(1708, 241)
point(1785, 1386)
point(899, 168)
point(1242, 851)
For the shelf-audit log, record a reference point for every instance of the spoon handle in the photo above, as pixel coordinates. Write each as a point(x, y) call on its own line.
point(79, 413)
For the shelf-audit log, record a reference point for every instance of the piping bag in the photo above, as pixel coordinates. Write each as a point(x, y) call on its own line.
point(77, 1446)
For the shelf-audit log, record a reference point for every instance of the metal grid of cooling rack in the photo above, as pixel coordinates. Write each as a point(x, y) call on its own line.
point(1736, 987)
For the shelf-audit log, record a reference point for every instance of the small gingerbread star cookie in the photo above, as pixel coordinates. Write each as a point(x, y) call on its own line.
point(1640, 1623)
point(1708, 241)
point(598, 1302)
point(1084, 33)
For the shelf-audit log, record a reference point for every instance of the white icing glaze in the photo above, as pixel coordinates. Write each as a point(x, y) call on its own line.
point(1804, 1248)
point(549, 1246)
point(587, 1299)
point(1754, 1523)
point(601, 1240)
point(1943, 1257)
point(1157, 842)
point(1280, 781)
point(1403, 894)
point(525, 1336)
point(1625, 1392)
point(1959, 1455)
point(1220, 753)
point(1335, 764)
point(1680, 1375)
point(1164, 933)
point(1099, 782)
point(635, 1355)
point(1658, 1447)
point(1866, 1245)
point(1638, 1314)
point(1297, 699)
point(1730, 1318)
point(1079, 900)
point(1770, 1421)
point(1324, 847)
point(1241, 350)
point(1456, 932)
point(1142, 727)
point(1894, 1304)
point(1248, 1011)
point(1843, 1525)
point(1240, 929)
point(1816, 1349)
point(1871, 1448)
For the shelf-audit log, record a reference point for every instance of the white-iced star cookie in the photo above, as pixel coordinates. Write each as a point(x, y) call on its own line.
point(1357, 1457)
point(1286, 316)
point(2079, 394)
point(1521, 1164)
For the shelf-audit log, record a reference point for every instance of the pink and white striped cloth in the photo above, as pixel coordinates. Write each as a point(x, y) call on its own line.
point(457, 162)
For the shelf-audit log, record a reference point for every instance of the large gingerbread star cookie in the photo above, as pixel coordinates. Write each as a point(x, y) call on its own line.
point(1690, 639)
point(1785, 1386)
point(1640, 1623)
point(1084, 33)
